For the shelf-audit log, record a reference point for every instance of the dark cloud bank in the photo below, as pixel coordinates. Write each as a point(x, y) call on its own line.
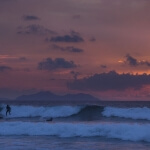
point(58, 63)
point(72, 37)
point(110, 81)
point(134, 62)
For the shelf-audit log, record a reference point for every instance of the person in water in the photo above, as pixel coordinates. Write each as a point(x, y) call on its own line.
point(8, 109)
point(50, 119)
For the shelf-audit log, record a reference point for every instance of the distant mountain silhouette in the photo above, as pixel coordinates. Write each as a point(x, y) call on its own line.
point(49, 96)
point(44, 95)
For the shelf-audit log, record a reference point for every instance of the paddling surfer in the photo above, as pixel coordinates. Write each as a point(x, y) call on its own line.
point(50, 119)
point(8, 109)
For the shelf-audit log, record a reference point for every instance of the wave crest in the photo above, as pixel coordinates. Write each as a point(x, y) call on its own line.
point(132, 132)
point(133, 113)
point(31, 111)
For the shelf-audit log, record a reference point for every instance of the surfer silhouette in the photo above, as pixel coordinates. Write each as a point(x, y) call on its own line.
point(8, 109)
point(50, 119)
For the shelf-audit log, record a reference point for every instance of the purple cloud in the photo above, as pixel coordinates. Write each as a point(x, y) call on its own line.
point(58, 63)
point(110, 81)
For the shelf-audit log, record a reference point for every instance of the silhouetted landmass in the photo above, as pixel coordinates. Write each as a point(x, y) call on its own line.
point(49, 96)
point(38, 96)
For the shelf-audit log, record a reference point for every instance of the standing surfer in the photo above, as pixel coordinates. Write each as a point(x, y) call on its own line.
point(8, 109)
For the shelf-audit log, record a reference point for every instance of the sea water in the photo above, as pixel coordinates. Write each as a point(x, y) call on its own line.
point(105, 126)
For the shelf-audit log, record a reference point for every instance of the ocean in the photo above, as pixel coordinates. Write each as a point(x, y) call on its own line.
point(101, 126)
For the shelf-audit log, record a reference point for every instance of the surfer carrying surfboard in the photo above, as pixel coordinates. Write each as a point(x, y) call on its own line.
point(8, 109)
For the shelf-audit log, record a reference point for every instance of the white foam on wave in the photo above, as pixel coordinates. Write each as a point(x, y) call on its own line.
point(133, 113)
point(31, 111)
point(132, 132)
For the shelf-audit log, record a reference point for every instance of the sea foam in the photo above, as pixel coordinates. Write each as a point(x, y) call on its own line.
point(123, 131)
point(133, 113)
point(31, 111)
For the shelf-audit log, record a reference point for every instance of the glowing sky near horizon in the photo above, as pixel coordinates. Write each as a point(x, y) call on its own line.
point(72, 46)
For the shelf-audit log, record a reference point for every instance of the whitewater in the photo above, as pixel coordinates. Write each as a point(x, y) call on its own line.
point(94, 125)
point(32, 111)
point(114, 130)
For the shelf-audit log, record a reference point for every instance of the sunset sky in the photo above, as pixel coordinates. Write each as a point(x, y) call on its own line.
point(99, 47)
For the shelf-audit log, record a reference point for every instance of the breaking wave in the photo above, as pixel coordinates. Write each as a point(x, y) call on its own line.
point(123, 131)
point(82, 113)
point(133, 113)
point(31, 111)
